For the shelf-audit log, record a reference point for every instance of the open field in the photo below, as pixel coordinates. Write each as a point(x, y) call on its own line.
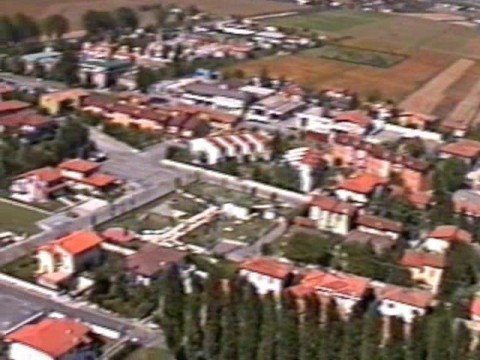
point(431, 94)
point(18, 219)
point(356, 56)
point(395, 82)
point(73, 9)
point(431, 47)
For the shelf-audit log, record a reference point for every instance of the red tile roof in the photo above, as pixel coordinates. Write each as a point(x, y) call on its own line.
point(76, 243)
point(118, 235)
point(13, 105)
point(379, 223)
point(100, 180)
point(152, 259)
point(412, 258)
point(47, 174)
point(79, 165)
point(313, 158)
point(331, 204)
point(54, 337)
point(410, 296)
point(334, 284)
point(354, 117)
point(463, 148)
point(475, 307)
point(362, 184)
point(267, 267)
point(451, 233)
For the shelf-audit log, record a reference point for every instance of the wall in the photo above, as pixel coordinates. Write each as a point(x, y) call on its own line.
point(404, 311)
point(263, 283)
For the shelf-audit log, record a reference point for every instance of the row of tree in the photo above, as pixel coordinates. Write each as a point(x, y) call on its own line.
point(232, 322)
point(21, 27)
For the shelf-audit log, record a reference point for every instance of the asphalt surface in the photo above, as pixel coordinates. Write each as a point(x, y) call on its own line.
point(142, 333)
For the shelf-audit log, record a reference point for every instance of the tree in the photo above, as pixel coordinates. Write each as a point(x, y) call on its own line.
point(249, 314)
point(25, 27)
point(268, 339)
point(98, 21)
point(55, 26)
point(439, 336)
point(370, 337)
point(212, 328)
point(288, 347)
point(449, 175)
point(161, 16)
point(7, 30)
point(228, 342)
point(67, 68)
point(173, 308)
point(145, 78)
point(193, 326)
point(126, 18)
point(307, 348)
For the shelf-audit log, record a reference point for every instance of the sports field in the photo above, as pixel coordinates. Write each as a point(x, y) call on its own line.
point(429, 48)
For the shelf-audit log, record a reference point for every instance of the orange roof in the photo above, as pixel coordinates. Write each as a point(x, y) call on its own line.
point(313, 158)
point(66, 94)
point(409, 296)
point(54, 337)
point(412, 258)
point(354, 117)
point(13, 105)
point(363, 184)
point(100, 180)
point(46, 174)
point(333, 205)
point(339, 283)
point(75, 243)
point(462, 148)
point(267, 267)
point(451, 233)
point(79, 165)
point(379, 223)
point(475, 307)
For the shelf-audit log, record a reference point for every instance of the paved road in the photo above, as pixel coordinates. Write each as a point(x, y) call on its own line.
point(146, 336)
point(31, 82)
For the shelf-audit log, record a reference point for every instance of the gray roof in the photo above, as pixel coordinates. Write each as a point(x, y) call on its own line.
point(469, 196)
point(217, 90)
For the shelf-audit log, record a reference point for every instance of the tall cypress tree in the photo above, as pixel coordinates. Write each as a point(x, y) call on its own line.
point(212, 328)
point(309, 329)
point(193, 322)
point(173, 308)
point(370, 337)
point(439, 336)
point(249, 320)
point(288, 344)
point(268, 329)
point(228, 342)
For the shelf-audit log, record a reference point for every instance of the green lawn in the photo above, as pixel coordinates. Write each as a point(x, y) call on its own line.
point(330, 21)
point(22, 268)
point(150, 354)
point(19, 219)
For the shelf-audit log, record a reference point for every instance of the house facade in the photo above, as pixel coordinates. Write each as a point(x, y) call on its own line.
point(332, 215)
point(266, 275)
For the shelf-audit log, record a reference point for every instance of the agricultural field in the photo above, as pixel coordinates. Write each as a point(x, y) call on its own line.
point(73, 9)
point(429, 46)
point(356, 56)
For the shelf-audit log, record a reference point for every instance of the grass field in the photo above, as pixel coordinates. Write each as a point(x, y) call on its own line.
point(73, 9)
point(431, 47)
point(18, 219)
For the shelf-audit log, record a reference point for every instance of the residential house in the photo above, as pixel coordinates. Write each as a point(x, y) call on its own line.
point(379, 225)
point(456, 127)
point(47, 59)
point(102, 73)
point(332, 215)
point(217, 96)
point(54, 102)
point(37, 186)
point(467, 202)
point(426, 268)
point(309, 163)
point(266, 275)
point(417, 120)
point(12, 106)
point(151, 262)
point(274, 108)
point(28, 125)
point(347, 291)
point(466, 150)
point(404, 303)
point(443, 237)
point(60, 259)
point(361, 188)
point(379, 244)
point(353, 122)
point(51, 339)
point(314, 119)
point(237, 146)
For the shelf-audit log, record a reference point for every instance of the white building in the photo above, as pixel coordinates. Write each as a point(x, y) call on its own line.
point(51, 339)
point(238, 147)
point(443, 237)
point(332, 215)
point(404, 303)
point(274, 108)
point(360, 189)
point(308, 162)
point(266, 275)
